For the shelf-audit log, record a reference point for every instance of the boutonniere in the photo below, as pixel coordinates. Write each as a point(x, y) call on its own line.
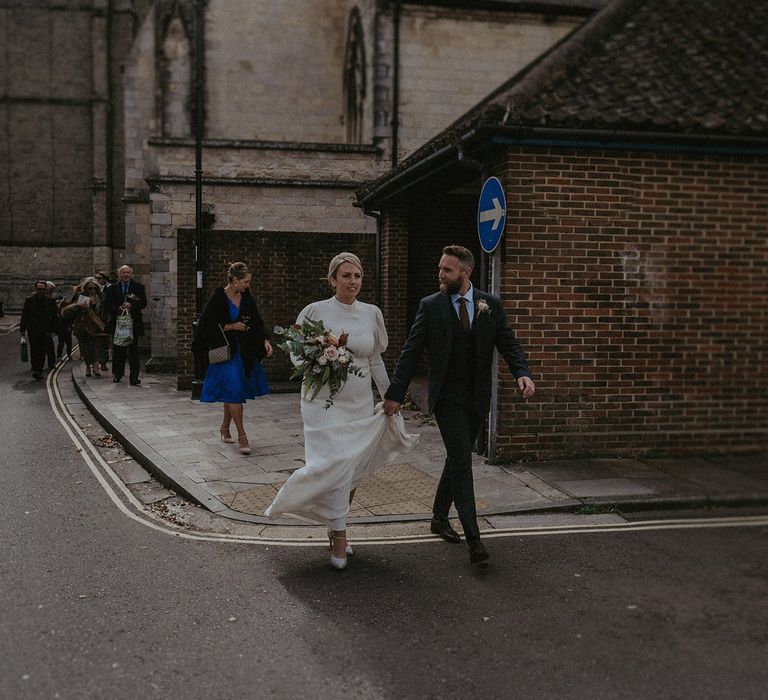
point(482, 307)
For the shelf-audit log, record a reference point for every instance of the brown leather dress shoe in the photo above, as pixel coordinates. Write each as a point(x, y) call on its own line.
point(477, 551)
point(442, 528)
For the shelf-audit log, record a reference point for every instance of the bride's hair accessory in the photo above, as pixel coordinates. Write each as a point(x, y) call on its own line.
point(342, 258)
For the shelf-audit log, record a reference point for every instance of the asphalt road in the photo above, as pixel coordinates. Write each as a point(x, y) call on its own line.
point(97, 605)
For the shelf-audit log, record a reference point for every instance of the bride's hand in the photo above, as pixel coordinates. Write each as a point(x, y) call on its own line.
point(391, 407)
point(268, 348)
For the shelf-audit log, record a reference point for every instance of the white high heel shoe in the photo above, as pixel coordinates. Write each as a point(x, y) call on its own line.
point(337, 562)
point(350, 552)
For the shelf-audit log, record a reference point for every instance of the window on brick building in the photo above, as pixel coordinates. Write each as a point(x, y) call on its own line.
point(177, 79)
point(354, 80)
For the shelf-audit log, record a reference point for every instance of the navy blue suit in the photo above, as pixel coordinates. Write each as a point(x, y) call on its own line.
point(459, 389)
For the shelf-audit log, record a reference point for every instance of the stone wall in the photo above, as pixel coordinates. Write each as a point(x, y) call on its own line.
point(58, 139)
point(451, 59)
point(275, 69)
point(46, 163)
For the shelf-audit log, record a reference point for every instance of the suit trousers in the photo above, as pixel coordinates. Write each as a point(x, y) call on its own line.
point(458, 427)
point(119, 353)
point(40, 349)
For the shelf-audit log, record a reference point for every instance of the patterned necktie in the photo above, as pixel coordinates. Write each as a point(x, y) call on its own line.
point(463, 315)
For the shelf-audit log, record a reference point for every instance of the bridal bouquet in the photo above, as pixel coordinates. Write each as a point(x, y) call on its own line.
point(320, 357)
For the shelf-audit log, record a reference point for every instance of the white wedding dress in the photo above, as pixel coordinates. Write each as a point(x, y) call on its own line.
point(348, 441)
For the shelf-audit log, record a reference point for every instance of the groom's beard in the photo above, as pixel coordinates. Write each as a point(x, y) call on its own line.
point(450, 287)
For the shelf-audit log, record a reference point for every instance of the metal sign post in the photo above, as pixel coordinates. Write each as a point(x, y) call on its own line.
point(491, 217)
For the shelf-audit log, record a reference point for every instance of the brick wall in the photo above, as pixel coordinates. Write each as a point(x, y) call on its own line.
point(288, 269)
point(394, 270)
point(637, 283)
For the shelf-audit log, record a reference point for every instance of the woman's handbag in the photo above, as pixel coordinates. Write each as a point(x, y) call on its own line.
point(24, 350)
point(123, 330)
point(222, 353)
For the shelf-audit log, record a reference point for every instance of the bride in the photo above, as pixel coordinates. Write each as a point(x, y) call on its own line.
point(347, 441)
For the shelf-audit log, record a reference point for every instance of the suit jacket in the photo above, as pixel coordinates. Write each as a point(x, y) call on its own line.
point(39, 316)
point(433, 329)
point(216, 312)
point(114, 297)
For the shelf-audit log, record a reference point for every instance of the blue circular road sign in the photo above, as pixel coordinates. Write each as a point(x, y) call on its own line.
point(491, 214)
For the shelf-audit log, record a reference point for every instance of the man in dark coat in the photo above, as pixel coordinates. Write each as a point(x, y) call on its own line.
point(460, 326)
point(40, 320)
point(126, 295)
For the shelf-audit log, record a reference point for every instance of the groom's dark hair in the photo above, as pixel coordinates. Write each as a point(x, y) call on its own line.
point(466, 259)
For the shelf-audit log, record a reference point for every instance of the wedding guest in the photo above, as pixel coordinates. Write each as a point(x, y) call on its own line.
point(347, 440)
point(126, 295)
point(231, 316)
point(65, 329)
point(104, 281)
point(87, 313)
point(39, 320)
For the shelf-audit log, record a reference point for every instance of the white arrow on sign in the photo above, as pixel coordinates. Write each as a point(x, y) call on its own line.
point(494, 214)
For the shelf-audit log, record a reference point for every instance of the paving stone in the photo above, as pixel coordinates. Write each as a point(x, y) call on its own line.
point(584, 488)
point(254, 500)
point(553, 520)
point(541, 487)
point(401, 508)
point(130, 472)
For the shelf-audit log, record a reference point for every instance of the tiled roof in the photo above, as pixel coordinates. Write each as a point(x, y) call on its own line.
point(679, 65)
point(693, 67)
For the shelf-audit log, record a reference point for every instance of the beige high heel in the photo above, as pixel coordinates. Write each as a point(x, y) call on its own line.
point(337, 562)
point(349, 550)
point(244, 449)
point(226, 436)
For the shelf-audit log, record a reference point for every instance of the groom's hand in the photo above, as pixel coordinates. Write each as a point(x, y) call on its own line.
point(391, 407)
point(527, 387)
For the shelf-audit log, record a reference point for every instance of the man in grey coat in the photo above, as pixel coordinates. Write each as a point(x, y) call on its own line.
point(460, 327)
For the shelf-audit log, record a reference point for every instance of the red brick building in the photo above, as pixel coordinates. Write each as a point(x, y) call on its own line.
point(634, 261)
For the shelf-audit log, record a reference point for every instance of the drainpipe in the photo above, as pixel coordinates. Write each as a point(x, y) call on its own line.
point(109, 139)
point(377, 215)
point(396, 82)
point(200, 359)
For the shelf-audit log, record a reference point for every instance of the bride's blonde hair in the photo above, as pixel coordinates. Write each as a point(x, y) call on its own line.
point(338, 260)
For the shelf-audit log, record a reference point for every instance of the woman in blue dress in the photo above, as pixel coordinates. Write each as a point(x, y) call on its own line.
point(231, 312)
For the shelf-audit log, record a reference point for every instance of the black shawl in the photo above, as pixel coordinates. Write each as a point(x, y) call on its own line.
point(216, 311)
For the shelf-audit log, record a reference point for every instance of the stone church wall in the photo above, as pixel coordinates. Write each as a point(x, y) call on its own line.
point(452, 59)
point(276, 69)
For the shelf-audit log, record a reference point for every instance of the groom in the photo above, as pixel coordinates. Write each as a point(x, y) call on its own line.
point(460, 327)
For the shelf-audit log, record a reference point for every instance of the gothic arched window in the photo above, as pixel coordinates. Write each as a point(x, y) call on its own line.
point(177, 79)
point(354, 79)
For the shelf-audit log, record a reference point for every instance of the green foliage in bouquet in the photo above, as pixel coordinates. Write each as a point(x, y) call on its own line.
point(320, 357)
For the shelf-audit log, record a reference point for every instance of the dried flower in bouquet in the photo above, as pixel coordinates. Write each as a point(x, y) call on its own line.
point(319, 356)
